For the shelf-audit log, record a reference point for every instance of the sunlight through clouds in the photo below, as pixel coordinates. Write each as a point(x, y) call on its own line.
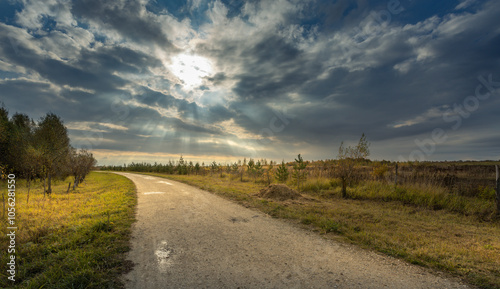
point(190, 69)
point(165, 76)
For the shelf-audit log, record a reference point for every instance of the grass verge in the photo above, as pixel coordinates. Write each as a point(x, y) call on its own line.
point(74, 240)
point(462, 245)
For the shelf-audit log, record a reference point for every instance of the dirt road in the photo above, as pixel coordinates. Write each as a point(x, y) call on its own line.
point(188, 238)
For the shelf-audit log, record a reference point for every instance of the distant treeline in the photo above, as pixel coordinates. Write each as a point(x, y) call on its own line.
point(40, 150)
point(183, 167)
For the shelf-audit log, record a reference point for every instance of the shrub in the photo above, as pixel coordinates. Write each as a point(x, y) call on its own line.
point(282, 173)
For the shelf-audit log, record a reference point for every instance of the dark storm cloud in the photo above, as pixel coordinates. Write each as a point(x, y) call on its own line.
point(21, 94)
point(273, 67)
point(340, 13)
point(218, 78)
point(116, 58)
point(124, 17)
point(219, 113)
point(55, 70)
point(64, 74)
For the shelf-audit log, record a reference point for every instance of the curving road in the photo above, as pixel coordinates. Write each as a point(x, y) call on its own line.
point(185, 237)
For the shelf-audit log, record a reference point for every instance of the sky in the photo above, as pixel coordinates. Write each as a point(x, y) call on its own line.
point(145, 80)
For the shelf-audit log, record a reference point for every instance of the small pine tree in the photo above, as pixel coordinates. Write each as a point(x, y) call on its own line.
point(182, 166)
point(258, 170)
point(190, 169)
point(282, 173)
point(214, 167)
point(234, 168)
point(251, 167)
point(197, 168)
point(298, 173)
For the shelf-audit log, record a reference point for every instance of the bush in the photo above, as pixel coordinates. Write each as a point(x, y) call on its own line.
point(379, 171)
point(316, 185)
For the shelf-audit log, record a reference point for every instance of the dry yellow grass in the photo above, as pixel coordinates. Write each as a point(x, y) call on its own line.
point(71, 240)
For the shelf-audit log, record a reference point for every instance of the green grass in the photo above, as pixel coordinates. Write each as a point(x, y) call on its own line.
point(405, 223)
point(75, 240)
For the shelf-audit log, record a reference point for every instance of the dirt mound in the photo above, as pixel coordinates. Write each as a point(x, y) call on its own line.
point(279, 192)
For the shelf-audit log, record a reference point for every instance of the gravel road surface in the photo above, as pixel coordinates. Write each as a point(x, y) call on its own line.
point(185, 237)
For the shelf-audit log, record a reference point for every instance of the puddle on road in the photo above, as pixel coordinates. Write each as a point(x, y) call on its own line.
point(164, 256)
point(163, 182)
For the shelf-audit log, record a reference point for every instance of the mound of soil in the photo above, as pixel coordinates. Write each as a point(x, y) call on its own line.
point(279, 192)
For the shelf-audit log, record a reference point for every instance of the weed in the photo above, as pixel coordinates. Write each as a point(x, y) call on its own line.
point(330, 226)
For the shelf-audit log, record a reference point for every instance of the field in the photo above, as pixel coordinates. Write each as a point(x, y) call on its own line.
point(71, 240)
point(426, 219)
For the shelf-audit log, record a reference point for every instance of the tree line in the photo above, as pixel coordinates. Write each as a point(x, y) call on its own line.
point(348, 159)
point(40, 150)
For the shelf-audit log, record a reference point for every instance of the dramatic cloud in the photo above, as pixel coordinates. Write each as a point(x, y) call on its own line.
point(221, 80)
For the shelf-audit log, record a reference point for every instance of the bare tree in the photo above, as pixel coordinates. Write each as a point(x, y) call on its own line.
point(298, 168)
point(81, 163)
point(348, 158)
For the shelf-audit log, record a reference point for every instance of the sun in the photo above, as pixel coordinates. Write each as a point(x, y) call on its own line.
point(190, 69)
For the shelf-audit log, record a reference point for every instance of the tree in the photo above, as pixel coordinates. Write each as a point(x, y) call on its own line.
point(197, 168)
point(23, 158)
point(80, 163)
point(51, 138)
point(282, 173)
point(21, 137)
point(214, 167)
point(298, 173)
point(234, 168)
point(348, 158)
point(182, 166)
point(34, 166)
point(258, 170)
point(5, 135)
point(254, 169)
point(190, 167)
